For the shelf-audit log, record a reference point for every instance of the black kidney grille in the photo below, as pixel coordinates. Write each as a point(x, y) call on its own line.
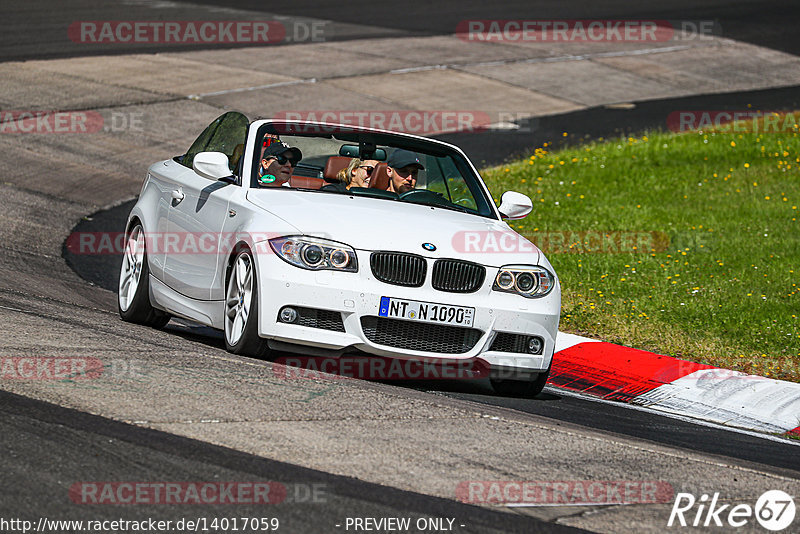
point(457, 276)
point(398, 269)
point(426, 337)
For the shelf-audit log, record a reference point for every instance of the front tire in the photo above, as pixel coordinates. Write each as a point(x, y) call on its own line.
point(241, 308)
point(133, 296)
point(520, 388)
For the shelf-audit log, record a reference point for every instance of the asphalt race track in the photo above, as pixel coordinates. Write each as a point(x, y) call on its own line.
point(314, 501)
point(173, 406)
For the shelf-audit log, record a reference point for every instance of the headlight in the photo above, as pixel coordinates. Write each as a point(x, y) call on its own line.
point(315, 254)
point(526, 280)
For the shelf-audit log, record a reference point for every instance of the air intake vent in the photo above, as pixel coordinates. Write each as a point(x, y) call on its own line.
point(425, 337)
point(505, 342)
point(315, 318)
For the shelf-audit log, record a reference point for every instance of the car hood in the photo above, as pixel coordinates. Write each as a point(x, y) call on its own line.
point(378, 224)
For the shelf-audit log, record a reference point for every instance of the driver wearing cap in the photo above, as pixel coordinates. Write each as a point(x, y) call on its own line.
point(278, 160)
point(402, 168)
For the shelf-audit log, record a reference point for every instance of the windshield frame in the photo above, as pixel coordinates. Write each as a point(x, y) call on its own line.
point(353, 134)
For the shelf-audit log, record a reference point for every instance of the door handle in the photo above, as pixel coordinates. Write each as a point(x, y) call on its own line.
point(178, 195)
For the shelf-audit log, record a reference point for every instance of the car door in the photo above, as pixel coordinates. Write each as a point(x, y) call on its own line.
point(161, 181)
point(198, 211)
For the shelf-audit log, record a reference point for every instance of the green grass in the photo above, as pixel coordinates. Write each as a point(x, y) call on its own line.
point(714, 274)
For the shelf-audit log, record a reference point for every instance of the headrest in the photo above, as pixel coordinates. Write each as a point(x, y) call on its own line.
point(380, 178)
point(333, 166)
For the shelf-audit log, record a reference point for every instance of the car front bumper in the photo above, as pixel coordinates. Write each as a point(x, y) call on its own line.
point(358, 295)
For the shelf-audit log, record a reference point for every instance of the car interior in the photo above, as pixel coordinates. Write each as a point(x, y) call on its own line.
point(446, 181)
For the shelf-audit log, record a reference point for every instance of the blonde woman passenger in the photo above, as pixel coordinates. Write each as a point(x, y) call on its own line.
point(358, 173)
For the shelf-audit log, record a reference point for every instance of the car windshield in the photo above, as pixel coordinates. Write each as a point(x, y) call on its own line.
point(443, 177)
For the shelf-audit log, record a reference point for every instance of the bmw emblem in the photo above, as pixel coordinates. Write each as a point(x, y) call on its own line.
point(430, 247)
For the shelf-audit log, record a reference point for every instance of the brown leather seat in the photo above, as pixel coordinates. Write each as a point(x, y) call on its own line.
point(306, 182)
point(380, 178)
point(333, 166)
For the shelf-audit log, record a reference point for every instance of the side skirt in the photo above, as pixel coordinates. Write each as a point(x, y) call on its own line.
point(207, 312)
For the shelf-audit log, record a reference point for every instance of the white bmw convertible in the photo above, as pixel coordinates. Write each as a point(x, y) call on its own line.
point(334, 240)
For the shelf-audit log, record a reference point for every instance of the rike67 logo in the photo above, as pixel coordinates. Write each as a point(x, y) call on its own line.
point(774, 510)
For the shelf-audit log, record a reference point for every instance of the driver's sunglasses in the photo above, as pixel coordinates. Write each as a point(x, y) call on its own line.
point(368, 168)
point(281, 159)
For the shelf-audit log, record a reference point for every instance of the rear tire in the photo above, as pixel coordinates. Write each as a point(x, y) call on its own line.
point(520, 388)
point(133, 295)
point(241, 308)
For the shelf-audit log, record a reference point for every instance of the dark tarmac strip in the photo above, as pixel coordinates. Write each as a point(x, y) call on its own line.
point(493, 148)
point(38, 29)
point(48, 449)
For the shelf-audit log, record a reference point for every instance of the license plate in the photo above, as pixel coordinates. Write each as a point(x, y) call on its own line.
point(427, 312)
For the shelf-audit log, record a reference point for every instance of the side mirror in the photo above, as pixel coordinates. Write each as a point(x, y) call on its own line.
point(515, 205)
point(211, 165)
